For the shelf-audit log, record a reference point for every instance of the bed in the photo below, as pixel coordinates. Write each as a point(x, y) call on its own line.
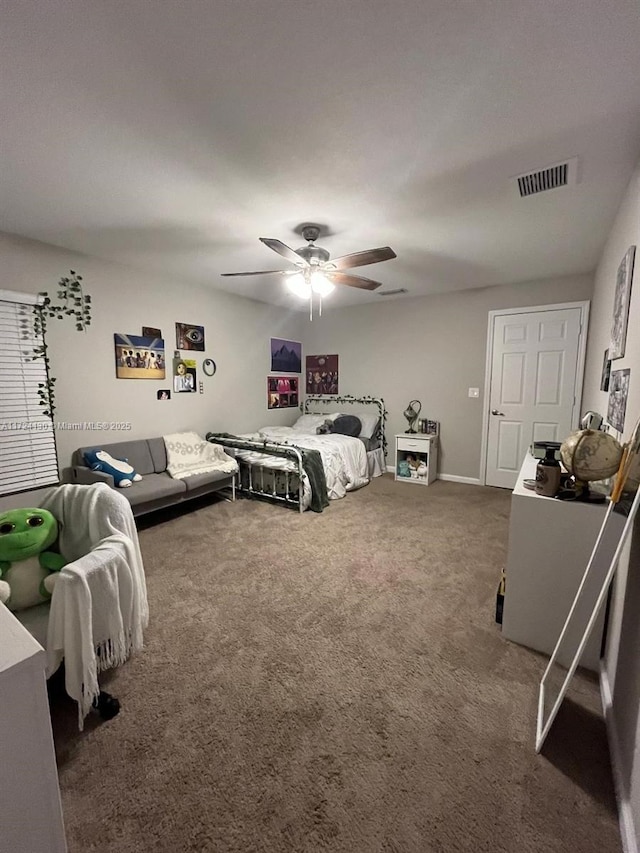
point(306, 465)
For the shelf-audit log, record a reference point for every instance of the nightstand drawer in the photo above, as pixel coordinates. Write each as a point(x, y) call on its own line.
point(419, 445)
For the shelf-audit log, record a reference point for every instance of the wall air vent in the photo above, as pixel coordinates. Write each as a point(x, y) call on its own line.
point(551, 178)
point(393, 292)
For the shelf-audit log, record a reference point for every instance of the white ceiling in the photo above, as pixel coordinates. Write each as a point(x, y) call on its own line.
point(171, 134)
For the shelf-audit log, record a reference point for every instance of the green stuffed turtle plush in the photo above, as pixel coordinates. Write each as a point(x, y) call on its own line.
point(28, 571)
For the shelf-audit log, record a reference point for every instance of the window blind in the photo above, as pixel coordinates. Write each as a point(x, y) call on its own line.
point(28, 458)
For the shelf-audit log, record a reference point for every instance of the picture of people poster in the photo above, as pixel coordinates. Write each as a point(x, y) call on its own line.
point(322, 374)
point(282, 392)
point(286, 356)
point(138, 357)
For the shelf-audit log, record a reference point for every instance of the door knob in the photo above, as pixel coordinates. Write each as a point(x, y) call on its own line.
point(496, 412)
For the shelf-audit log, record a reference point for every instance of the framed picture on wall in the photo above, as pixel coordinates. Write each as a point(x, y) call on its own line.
point(322, 374)
point(282, 392)
point(286, 356)
point(621, 305)
point(184, 376)
point(606, 372)
point(139, 357)
point(618, 393)
point(190, 337)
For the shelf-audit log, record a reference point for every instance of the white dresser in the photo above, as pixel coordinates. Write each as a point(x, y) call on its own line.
point(29, 794)
point(550, 542)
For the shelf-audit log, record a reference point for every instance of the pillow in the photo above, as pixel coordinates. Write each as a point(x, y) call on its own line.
point(369, 425)
point(347, 425)
point(310, 423)
point(123, 474)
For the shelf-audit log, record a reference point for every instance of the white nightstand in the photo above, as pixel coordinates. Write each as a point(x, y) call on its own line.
point(420, 452)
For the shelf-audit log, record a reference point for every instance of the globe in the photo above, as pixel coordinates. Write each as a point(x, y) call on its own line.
point(590, 454)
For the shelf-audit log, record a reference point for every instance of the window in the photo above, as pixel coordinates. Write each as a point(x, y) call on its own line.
point(28, 457)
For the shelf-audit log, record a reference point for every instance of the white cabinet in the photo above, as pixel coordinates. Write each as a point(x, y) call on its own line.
point(550, 542)
point(416, 459)
point(29, 794)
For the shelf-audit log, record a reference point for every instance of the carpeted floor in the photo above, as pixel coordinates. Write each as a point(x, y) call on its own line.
point(334, 682)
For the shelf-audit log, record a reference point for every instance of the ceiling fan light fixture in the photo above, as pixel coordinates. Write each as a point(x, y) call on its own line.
point(298, 286)
point(321, 285)
point(315, 273)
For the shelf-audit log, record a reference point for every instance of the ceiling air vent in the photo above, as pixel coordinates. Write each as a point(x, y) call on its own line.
point(393, 292)
point(550, 178)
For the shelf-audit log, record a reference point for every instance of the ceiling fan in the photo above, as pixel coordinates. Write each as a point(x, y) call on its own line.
point(315, 272)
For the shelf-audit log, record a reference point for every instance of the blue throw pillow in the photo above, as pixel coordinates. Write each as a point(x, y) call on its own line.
point(123, 474)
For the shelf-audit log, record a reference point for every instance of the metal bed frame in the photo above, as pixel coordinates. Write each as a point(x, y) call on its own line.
point(253, 483)
point(254, 486)
point(338, 399)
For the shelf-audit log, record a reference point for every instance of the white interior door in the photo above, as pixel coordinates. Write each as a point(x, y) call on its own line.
point(532, 386)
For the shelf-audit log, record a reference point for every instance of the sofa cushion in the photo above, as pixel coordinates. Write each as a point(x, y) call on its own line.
point(155, 487)
point(136, 452)
point(199, 481)
point(158, 452)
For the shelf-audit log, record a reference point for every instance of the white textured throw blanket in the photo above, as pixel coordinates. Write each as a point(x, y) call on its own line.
point(189, 454)
point(99, 605)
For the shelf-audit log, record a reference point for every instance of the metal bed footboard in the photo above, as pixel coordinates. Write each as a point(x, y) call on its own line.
point(253, 483)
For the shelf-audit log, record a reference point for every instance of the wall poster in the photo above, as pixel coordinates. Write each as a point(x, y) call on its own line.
point(621, 305)
point(139, 357)
point(322, 374)
point(286, 356)
point(282, 392)
point(190, 337)
point(184, 375)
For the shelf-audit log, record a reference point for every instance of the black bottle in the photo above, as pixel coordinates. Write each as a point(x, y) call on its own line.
point(548, 474)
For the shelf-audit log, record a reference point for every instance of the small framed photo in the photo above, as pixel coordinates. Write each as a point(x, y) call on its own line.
point(606, 372)
point(164, 394)
point(618, 393)
point(151, 332)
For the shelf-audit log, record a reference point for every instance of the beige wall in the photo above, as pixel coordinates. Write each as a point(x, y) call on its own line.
point(623, 640)
point(237, 333)
point(432, 349)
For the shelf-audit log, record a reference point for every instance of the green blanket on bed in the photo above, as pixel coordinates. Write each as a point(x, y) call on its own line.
point(311, 463)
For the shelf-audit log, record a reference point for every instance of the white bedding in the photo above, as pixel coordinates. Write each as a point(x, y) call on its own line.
point(344, 458)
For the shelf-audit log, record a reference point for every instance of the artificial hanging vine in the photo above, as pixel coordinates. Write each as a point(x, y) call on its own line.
point(71, 301)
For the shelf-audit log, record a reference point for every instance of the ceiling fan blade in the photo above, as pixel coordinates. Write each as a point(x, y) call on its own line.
point(259, 272)
point(361, 259)
point(282, 249)
point(352, 280)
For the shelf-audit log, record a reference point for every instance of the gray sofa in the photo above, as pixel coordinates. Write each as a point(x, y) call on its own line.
point(157, 489)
